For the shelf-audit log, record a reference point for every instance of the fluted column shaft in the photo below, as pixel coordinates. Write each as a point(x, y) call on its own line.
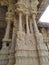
point(5, 48)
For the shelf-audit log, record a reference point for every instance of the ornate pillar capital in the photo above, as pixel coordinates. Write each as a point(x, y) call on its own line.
point(20, 6)
point(9, 16)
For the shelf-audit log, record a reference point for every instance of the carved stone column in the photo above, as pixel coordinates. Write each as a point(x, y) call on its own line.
point(20, 21)
point(20, 40)
point(11, 10)
point(12, 49)
point(31, 26)
point(5, 49)
point(27, 22)
point(20, 12)
point(41, 47)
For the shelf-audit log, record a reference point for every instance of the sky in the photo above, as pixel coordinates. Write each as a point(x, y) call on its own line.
point(45, 16)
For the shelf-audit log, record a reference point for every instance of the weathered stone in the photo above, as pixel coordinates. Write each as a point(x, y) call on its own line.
point(27, 46)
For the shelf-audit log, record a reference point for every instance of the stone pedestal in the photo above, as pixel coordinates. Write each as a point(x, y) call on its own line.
point(32, 56)
point(4, 54)
point(20, 49)
point(26, 51)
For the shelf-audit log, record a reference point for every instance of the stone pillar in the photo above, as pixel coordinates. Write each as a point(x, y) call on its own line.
point(5, 49)
point(34, 22)
point(27, 24)
point(29, 54)
point(7, 29)
point(19, 11)
point(31, 26)
point(6, 37)
point(12, 49)
point(20, 41)
point(20, 21)
point(41, 47)
point(11, 10)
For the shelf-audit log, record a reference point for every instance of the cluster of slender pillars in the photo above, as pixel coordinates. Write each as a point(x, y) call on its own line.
point(23, 49)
